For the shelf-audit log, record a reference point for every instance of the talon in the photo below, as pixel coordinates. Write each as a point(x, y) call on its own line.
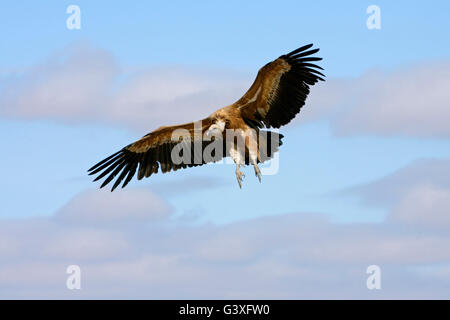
point(239, 176)
point(257, 172)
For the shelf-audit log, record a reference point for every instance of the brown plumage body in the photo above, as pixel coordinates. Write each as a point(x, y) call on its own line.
point(275, 97)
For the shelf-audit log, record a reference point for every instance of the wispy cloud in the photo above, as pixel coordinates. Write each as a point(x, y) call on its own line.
point(418, 194)
point(410, 101)
point(100, 207)
point(388, 190)
point(85, 84)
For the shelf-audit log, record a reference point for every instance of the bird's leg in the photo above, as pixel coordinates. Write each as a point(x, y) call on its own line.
point(257, 171)
point(254, 162)
point(239, 175)
point(252, 147)
point(237, 158)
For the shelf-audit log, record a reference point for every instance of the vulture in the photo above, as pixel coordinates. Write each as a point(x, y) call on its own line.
point(240, 131)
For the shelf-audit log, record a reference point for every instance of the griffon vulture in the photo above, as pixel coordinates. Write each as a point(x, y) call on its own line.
point(275, 97)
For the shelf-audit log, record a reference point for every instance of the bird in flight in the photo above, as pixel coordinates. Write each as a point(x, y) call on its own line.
point(238, 130)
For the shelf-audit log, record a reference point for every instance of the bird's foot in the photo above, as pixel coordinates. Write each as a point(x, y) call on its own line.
point(239, 176)
point(257, 172)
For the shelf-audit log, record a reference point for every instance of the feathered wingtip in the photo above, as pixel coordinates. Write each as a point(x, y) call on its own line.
point(301, 49)
point(303, 56)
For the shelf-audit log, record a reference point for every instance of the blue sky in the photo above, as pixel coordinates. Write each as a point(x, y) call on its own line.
point(208, 32)
point(46, 153)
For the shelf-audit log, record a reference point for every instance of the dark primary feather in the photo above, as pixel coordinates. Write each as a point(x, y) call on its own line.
point(306, 47)
point(293, 87)
point(124, 163)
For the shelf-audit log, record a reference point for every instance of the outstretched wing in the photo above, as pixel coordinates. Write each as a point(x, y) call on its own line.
point(280, 88)
point(154, 151)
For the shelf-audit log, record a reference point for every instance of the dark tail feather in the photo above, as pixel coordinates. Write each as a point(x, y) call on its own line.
point(269, 143)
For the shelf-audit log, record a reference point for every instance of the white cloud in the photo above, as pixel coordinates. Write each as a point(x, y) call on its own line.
point(83, 84)
point(410, 101)
point(418, 194)
point(390, 189)
point(69, 85)
point(99, 207)
point(83, 243)
point(426, 205)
